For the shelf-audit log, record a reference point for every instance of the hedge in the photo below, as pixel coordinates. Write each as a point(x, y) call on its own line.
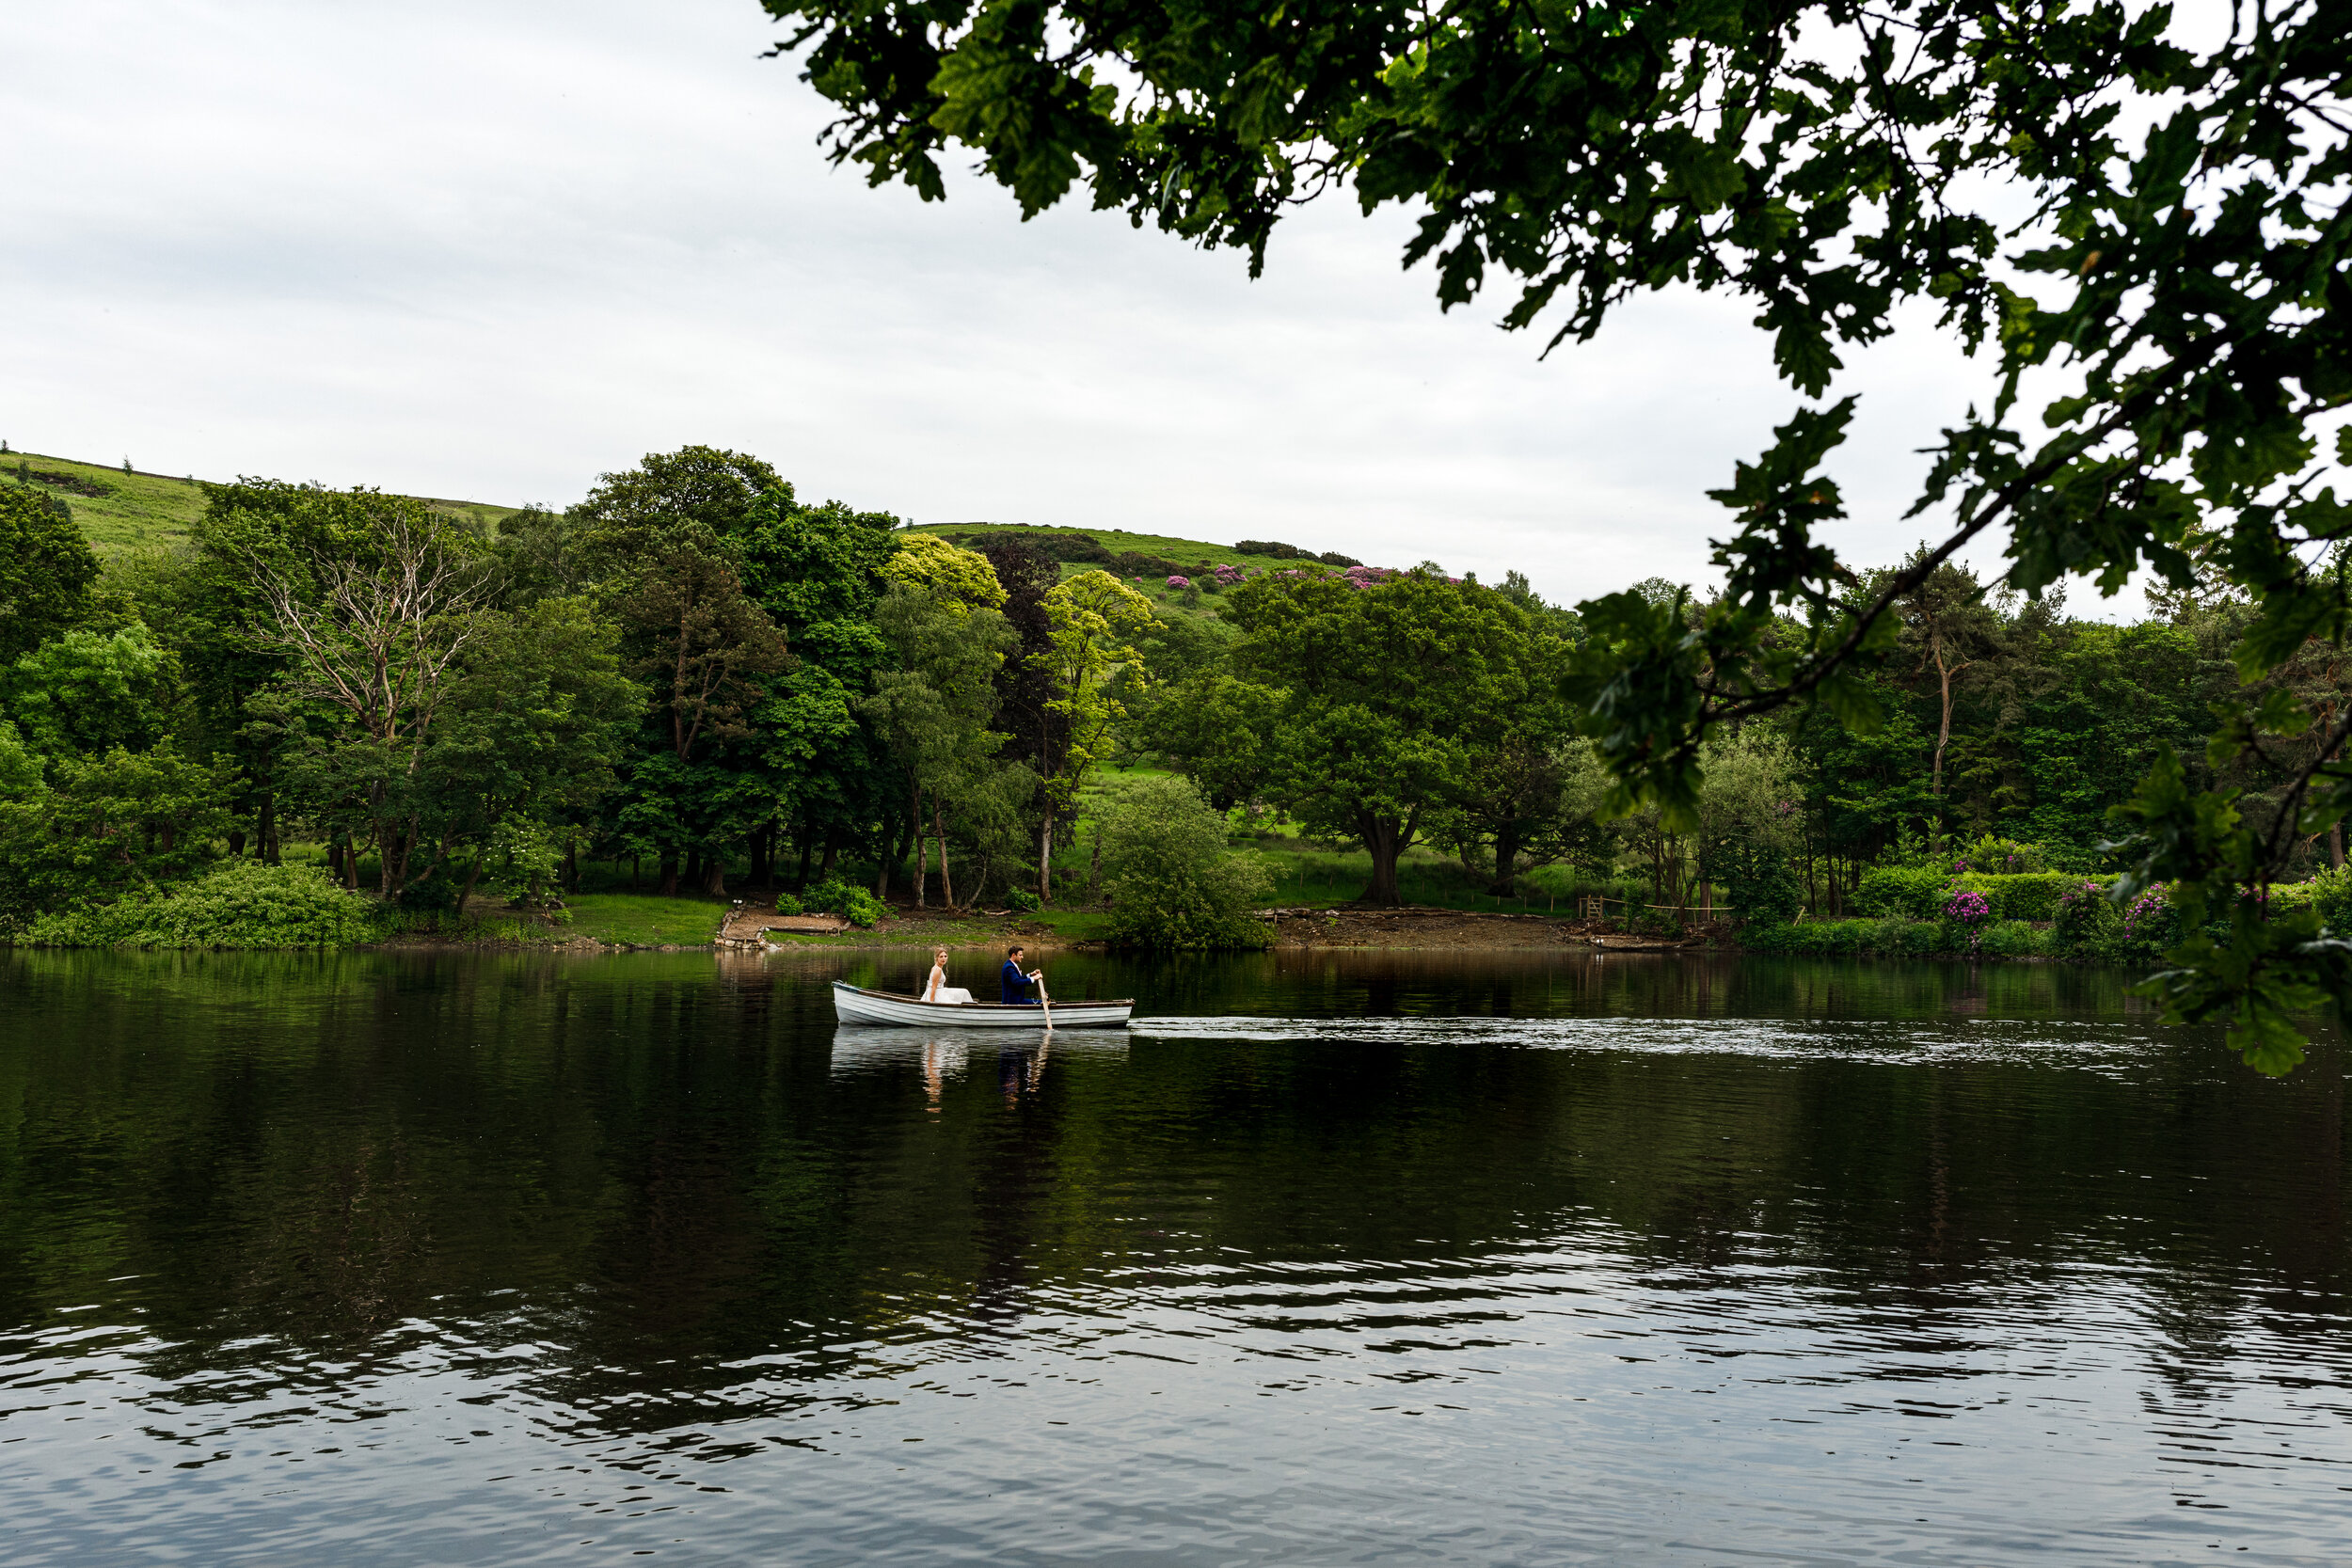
point(1921, 893)
point(243, 904)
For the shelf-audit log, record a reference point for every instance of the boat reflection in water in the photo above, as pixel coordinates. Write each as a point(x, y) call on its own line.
point(944, 1056)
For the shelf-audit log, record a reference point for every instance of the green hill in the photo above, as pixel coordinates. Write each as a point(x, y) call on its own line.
point(126, 508)
point(123, 509)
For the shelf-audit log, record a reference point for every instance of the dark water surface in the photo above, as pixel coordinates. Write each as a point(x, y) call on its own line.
point(1334, 1258)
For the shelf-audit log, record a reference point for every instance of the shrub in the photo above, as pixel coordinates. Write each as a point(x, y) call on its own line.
point(437, 892)
point(105, 827)
point(2026, 895)
point(2332, 893)
point(1917, 893)
point(2293, 895)
point(1172, 882)
point(2148, 924)
point(242, 903)
point(1998, 856)
point(2010, 939)
point(1785, 939)
point(1916, 938)
point(1810, 938)
point(854, 904)
point(787, 904)
point(2085, 919)
point(1760, 881)
point(1022, 901)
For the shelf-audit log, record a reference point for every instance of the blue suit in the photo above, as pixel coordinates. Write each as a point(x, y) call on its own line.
point(1016, 986)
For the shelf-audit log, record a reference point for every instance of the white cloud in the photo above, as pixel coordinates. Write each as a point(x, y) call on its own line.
point(489, 250)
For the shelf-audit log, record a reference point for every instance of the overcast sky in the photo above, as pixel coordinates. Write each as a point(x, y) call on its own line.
point(490, 250)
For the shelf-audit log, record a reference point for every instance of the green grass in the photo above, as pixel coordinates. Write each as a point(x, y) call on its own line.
point(138, 511)
point(1072, 926)
point(1067, 925)
point(144, 511)
point(1312, 874)
point(644, 919)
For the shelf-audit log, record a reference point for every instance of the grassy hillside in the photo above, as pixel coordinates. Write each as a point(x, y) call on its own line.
point(123, 509)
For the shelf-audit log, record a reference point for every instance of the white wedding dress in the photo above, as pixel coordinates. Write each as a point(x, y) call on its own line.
point(940, 991)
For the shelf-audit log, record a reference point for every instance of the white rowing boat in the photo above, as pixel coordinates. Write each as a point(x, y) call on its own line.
point(856, 1005)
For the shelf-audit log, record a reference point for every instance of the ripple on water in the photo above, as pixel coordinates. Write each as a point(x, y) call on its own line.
point(707, 1281)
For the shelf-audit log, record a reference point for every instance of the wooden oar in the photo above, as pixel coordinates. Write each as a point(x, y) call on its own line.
point(1043, 1000)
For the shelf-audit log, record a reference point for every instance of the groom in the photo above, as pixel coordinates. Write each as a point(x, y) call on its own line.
point(1015, 985)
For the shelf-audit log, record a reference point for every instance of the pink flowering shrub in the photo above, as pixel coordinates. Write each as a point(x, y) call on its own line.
point(1180, 582)
point(2149, 918)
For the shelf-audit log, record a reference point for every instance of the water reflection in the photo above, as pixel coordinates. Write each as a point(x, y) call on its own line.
point(388, 1259)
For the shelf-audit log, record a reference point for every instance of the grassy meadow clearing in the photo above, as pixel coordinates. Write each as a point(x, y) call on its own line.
point(120, 509)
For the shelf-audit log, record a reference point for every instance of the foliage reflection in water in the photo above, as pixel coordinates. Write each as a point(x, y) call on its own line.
point(395, 1260)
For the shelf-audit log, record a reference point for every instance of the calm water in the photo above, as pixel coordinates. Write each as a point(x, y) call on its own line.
point(1369, 1259)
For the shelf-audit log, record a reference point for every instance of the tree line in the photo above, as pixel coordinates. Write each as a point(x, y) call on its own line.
point(696, 675)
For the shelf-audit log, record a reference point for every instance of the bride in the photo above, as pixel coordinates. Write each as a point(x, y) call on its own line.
point(939, 989)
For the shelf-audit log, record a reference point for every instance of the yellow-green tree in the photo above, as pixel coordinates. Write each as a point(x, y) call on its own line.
point(1090, 620)
point(957, 576)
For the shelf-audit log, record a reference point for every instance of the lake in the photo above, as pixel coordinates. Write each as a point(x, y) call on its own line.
point(1335, 1258)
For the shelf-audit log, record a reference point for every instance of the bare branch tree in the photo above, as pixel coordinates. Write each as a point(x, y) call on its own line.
point(376, 633)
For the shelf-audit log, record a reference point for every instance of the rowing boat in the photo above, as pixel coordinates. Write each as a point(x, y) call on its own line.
point(857, 1004)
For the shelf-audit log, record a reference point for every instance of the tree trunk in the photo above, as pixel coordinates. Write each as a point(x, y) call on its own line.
point(1385, 840)
point(265, 828)
point(669, 871)
point(472, 876)
point(922, 850)
point(1044, 858)
point(2335, 830)
point(832, 851)
point(947, 884)
point(762, 874)
point(695, 867)
point(715, 876)
point(1506, 881)
point(1943, 733)
point(809, 853)
point(571, 863)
